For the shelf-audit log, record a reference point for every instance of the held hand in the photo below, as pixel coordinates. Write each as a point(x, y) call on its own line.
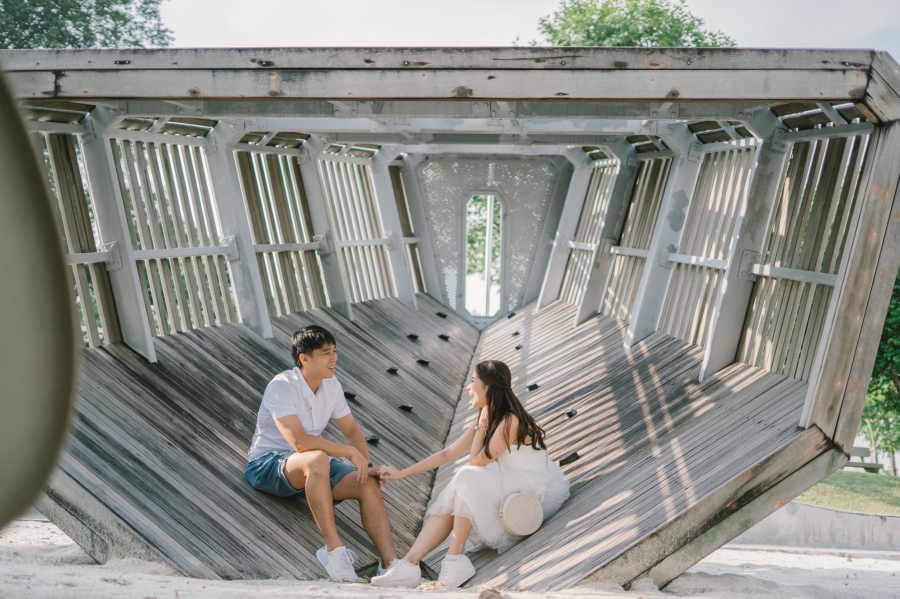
point(376, 474)
point(362, 466)
point(389, 473)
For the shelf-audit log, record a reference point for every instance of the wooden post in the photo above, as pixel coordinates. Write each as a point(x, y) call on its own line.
point(430, 267)
point(112, 224)
point(731, 305)
point(568, 223)
point(841, 372)
point(666, 235)
point(544, 249)
point(233, 218)
point(332, 271)
point(390, 221)
point(610, 232)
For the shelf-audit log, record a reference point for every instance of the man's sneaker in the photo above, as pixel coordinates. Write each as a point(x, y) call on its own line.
point(401, 573)
point(338, 564)
point(455, 573)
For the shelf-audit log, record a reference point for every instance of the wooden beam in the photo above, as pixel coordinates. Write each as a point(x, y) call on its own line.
point(417, 213)
point(610, 233)
point(831, 392)
point(666, 235)
point(226, 183)
point(568, 223)
point(332, 271)
point(112, 223)
point(267, 59)
point(731, 305)
point(876, 308)
point(390, 220)
point(651, 85)
point(883, 91)
point(544, 246)
point(747, 516)
point(284, 116)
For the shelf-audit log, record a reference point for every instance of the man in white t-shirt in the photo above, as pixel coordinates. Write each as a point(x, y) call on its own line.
point(289, 458)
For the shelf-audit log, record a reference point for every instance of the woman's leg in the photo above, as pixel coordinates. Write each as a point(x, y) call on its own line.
point(461, 528)
point(434, 531)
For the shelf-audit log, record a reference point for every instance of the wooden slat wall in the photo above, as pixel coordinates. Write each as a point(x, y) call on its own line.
point(708, 233)
point(355, 217)
point(406, 228)
point(653, 443)
point(276, 206)
point(159, 449)
point(94, 303)
point(809, 231)
point(637, 233)
point(168, 195)
point(589, 223)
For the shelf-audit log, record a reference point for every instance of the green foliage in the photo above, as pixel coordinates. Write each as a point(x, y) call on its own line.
point(880, 422)
point(476, 229)
point(649, 23)
point(82, 24)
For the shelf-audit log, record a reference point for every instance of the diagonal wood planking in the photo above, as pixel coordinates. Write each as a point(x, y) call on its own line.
point(655, 446)
point(157, 451)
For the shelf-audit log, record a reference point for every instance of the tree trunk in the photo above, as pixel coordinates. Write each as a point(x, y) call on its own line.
point(894, 463)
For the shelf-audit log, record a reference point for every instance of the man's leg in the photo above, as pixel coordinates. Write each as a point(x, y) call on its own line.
point(373, 513)
point(310, 471)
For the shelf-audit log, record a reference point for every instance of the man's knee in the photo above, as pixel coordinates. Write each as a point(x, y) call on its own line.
point(311, 464)
point(317, 463)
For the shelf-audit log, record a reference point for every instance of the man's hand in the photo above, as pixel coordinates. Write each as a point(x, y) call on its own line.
point(362, 466)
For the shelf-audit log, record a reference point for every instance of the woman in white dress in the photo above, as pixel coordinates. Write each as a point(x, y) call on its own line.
point(506, 454)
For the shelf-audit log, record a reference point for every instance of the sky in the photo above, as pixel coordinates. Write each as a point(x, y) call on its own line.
point(284, 23)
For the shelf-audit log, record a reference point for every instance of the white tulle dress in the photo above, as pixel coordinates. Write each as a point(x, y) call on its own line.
point(476, 492)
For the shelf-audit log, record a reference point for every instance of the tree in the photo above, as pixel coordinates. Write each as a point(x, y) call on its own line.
point(645, 23)
point(880, 422)
point(82, 24)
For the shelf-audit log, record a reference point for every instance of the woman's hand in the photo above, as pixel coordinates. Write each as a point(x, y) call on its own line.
point(483, 417)
point(390, 473)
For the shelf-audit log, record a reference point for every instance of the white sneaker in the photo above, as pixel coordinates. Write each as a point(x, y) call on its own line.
point(401, 573)
point(338, 563)
point(455, 573)
point(381, 570)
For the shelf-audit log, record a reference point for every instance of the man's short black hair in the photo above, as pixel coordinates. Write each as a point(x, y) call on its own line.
point(309, 339)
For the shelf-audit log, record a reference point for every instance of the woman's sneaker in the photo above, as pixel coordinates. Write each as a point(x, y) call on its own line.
point(455, 573)
point(338, 563)
point(401, 573)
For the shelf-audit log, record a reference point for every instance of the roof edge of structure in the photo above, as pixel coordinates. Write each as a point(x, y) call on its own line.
point(501, 58)
point(883, 91)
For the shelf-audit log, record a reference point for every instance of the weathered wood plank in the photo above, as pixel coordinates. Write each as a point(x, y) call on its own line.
point(264, 59)
point(713, 85)
point(748, 515)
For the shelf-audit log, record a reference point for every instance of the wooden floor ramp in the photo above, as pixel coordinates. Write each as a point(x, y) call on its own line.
point(154, 466)
point(663, 469)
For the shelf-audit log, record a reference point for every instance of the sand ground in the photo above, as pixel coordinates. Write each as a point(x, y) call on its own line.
point(38, 561)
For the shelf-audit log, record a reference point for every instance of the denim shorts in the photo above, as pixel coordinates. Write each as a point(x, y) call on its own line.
point(266, 474)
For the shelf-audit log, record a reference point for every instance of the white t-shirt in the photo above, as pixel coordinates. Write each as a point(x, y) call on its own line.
point(288, 393)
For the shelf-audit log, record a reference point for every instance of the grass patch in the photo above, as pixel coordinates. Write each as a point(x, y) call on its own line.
point(857, 492)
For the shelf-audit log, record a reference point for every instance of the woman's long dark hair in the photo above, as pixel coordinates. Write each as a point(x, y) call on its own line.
point(501, 401)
